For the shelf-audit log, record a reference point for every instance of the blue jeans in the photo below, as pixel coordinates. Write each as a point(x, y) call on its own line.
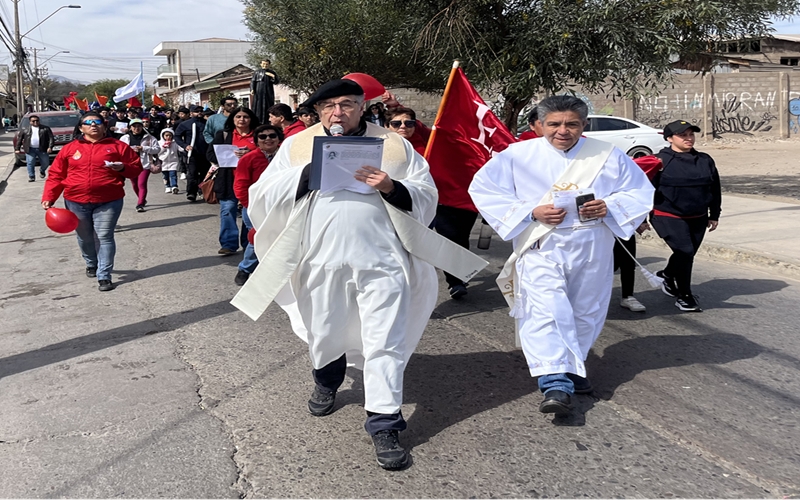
point(228, 229)
point(172, 178)
point(249, 260)
point(96, 222)
point(30, 160)
point(556, 382)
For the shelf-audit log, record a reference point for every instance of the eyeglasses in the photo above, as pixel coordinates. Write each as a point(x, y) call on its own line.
point(407, 123)
point(345, 106)
point(96, 122)
point(267, 136)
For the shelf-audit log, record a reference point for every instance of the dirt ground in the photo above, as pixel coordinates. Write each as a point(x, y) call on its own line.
point(767, 169)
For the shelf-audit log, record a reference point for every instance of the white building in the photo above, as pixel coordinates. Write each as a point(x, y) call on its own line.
point(190, 61)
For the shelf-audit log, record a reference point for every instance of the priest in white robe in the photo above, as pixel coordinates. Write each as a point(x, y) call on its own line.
point(353, 266)
point(562, 199)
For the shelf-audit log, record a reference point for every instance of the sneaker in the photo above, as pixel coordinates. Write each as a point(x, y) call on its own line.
point(668, 285)
point(321, 402)
point(688, 303)
point(91, 272)
point(226, 251)
point(241, 277)
point(32, 178)
point(458, 291)
point(140, 208)
point(632, 304)
point(191, 198)
point(42, 175)
point(390, 455)
point(167, 190)
point(183, 176)
point(105, 285)
point(175, 190)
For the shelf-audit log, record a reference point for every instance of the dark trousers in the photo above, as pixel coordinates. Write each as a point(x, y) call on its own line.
point(455, 224)
point(625, 264)
point(198, 168)
point(331, 376)
point(684, 237)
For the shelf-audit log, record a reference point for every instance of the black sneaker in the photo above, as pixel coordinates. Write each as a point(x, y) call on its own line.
point(192, 198)
point(668, 285)
point(458, 291)
point(91, 272)
point(32, 178)
point(390, 455)
point(688, 303)
point(105, 285)
point(241, 277)
point(42, 175)
point(321, 402)
point(140, 208)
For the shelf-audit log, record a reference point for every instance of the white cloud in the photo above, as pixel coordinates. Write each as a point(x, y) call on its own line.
point(109, 38)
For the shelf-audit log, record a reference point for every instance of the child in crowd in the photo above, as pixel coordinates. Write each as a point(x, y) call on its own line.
point(169, 158)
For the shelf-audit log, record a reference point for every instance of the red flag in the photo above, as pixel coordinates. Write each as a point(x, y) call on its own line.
point(157, 101)
point(83, 104)
point(101, 99)
point(134, 102)
point(71, 99)
point(466, 134)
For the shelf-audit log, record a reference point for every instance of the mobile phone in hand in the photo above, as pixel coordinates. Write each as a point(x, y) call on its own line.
point(580, 201)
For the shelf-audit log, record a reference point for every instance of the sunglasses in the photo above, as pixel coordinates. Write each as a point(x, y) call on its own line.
point(92, 122)
point(407, 123)
point(267, 136)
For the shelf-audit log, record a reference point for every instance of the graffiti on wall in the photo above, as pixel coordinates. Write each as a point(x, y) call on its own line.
point(732, 119)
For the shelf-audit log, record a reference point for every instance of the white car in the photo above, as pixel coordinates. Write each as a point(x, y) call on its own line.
point(636, 139)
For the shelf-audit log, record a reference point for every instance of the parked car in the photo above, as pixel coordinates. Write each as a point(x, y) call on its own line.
point(62, 123)
point(636, 139)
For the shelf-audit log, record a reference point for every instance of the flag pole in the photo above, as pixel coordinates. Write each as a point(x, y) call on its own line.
point(141, 72)
point(456, 64)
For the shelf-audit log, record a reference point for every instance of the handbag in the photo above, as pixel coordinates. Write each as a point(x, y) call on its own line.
point(155, 165)
point(207, 187)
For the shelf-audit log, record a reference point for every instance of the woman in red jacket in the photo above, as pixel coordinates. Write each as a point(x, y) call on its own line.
point(91, 173)
point(249, 169)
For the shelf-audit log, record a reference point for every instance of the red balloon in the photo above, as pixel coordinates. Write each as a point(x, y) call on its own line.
point(372, 87)
point(251, 235)
point(60, 220)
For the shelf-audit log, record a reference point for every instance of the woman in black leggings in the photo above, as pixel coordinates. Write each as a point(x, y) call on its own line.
point(688, 201)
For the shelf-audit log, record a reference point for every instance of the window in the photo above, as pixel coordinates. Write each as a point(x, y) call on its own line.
point(789, 61)
point(608, 124)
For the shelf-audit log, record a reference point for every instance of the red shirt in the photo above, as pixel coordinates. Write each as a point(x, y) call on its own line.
point(297, 126)
point(243, 141)
point(249, 169)
point(528, 134)
point(79, 171)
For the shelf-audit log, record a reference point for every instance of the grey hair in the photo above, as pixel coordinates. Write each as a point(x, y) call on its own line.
point(561, 104)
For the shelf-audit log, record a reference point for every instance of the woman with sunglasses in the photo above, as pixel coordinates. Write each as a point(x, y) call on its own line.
point(90, 171)
point(238, 131)
point(404, 122)
point(249, 169)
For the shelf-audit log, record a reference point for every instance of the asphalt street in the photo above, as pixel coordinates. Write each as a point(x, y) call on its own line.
point(161, 388)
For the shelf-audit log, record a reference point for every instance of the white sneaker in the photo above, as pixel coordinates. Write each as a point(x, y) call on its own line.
point(632, 304)
point(183, 176)
point(168, 190)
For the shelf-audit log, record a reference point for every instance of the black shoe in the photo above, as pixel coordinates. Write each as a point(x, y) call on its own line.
point(688, 303)
point(390, 455)
point(582, 384)
point(140, 208)
point(321, 402)
point(91, 272)
point(668, 285)
point(241, 278)
point(191, 197)
point(42, 175)
point(105, 285)
point(558, 402)
point(458, 291)
point(32, 178)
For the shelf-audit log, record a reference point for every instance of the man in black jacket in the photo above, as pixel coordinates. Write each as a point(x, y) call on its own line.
point(688, 200)
point(189, 136)
point(36, 141)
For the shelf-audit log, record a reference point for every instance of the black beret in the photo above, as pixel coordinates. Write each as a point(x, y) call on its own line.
point(334, 88)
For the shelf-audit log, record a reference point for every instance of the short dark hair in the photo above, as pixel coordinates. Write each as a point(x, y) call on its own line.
point(34, 116)
point(533, 115)
point(305, 110)
point(561, 104)
point(89, 114)
point(281, 109)
point(268, 126)
point(401, 111)
point(228, 98)
point(254, 121)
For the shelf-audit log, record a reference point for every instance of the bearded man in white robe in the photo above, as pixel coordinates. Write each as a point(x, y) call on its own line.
point(558, 280)
point(356, 287)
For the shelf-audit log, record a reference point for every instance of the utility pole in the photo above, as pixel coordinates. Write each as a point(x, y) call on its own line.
point(35, 82)
point(18, 60)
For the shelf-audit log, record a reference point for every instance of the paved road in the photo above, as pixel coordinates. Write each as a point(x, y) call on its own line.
point(161, 389)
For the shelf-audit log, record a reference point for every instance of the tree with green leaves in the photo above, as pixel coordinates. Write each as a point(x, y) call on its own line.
point(513, 49)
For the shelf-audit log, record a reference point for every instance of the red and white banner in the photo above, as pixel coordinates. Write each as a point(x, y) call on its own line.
point(466, 134)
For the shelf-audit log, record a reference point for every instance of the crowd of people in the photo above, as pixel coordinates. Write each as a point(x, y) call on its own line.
point(354, 268)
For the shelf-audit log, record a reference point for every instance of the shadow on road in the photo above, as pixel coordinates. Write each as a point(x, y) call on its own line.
point(774, 185)
point(175, 221)
point(131, 275)
point(68, 349)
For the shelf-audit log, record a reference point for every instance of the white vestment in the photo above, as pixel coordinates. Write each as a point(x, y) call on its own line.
point(355, 289)
point(563, 278)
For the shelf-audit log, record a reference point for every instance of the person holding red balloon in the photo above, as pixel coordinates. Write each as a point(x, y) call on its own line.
point(91, 172)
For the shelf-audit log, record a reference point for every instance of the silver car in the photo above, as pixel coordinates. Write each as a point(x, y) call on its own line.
point(636, 139)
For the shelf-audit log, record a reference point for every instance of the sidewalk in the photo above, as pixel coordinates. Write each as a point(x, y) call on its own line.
point(753, 232)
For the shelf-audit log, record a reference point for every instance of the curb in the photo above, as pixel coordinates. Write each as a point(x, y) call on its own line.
point(735, 255)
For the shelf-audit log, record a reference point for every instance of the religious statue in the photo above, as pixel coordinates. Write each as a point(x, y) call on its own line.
point(262, 91)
